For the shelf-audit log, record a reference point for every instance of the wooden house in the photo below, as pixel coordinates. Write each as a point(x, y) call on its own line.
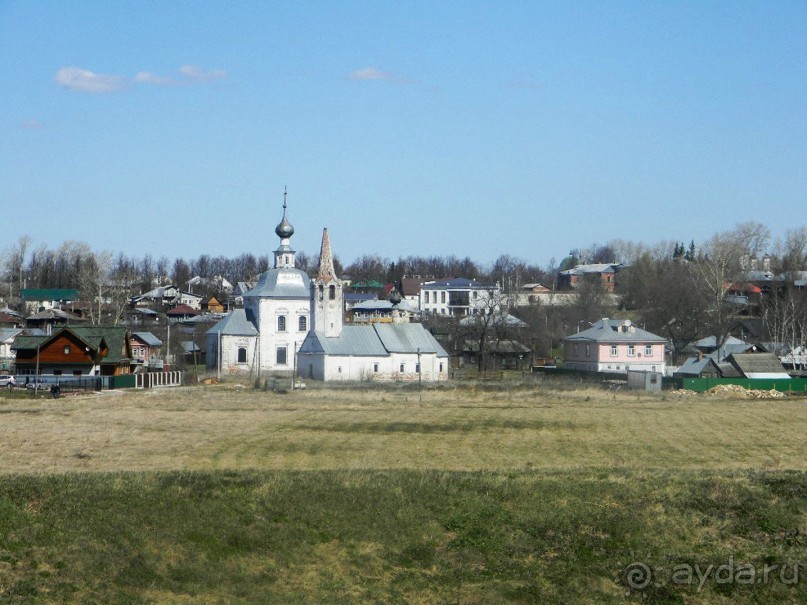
point(76, 351)
point(212, 304)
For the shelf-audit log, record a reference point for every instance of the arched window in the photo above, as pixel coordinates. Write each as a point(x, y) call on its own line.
point(281, 323)
point(242, 355)
point(302, 323)
point(321, 291)
point(332, 292)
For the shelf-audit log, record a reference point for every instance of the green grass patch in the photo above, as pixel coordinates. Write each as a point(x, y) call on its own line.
point(401, 536)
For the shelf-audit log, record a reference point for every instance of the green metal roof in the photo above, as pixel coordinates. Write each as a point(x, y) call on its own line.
point(41, 294)
point(115, 338)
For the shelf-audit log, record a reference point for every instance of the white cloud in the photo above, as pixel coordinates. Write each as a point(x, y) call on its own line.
point(87, 81)
point(146, 77)
point(370, 73)
point(198, 74)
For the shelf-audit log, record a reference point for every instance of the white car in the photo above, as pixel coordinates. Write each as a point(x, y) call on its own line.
point(7, 381)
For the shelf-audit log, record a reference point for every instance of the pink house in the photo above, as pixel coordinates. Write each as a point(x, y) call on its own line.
point(614, 345)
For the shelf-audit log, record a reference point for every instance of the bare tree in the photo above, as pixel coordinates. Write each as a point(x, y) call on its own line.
point(17, 257)
point(717, 267)
point(95, 280)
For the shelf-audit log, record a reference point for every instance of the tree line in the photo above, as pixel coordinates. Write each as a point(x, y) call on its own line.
point(672, 289)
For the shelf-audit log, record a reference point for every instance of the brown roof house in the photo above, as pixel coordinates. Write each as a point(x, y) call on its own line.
point(77, 351)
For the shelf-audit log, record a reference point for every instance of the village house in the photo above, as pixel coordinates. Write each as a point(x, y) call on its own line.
point(616, 346)
point(75, 351)
point(392, 310)
point(7, 337)
point(212, 304)
point(458, 296)
point(146, 349)
point(40, 299)
point(604, 273)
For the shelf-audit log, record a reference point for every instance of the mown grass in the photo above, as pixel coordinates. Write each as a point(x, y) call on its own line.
point(528, 496)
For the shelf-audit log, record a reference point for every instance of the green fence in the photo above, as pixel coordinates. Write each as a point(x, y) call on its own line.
point(124, 381)
point(794, 385)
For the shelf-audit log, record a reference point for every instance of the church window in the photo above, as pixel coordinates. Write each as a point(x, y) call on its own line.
point(332, 292)
point(441, 366)
point(321, 291)
point(302, 323)
point(242, 354)
point(375, 367)
point(281, 356)
point(402, 368)
point(281, 323)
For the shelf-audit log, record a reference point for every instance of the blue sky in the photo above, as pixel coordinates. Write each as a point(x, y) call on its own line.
point(425, 128)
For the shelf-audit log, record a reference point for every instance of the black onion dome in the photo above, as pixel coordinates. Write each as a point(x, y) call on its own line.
point(394, 297)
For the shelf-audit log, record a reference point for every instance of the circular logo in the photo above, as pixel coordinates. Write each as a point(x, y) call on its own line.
point(638, 575)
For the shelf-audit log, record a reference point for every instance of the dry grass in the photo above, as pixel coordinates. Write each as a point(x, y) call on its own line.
point(234, 427)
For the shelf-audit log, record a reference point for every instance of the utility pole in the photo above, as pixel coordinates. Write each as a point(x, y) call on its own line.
point(420, 378)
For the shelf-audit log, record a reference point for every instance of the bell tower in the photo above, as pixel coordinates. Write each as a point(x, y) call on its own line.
point(327, 301)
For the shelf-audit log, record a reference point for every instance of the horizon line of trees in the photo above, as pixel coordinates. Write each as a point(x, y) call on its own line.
point(674, 290)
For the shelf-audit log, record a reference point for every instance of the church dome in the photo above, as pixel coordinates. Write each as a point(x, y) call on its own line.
point(284, 230)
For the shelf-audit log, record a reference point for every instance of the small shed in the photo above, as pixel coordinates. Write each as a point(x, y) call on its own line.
point(644, 381)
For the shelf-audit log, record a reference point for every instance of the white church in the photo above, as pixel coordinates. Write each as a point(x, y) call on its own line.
point(290, 323)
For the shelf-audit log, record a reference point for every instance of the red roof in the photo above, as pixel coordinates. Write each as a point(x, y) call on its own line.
point(182, 310)
point(746, 288)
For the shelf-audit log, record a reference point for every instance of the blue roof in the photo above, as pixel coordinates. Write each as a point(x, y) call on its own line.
point(375, 340)
point(149, 339)
point(408, 338)
point(282, 283)
point(615, 330)
point(236, 323)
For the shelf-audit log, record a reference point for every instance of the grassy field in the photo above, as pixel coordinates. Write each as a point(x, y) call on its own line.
point(225, 494)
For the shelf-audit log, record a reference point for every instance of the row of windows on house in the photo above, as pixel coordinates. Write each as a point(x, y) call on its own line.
point(459, 298)
point(648, 350)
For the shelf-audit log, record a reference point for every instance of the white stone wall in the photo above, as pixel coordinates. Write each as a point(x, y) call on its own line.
point(230, 346)
point(369, 368)
point(271, 339)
